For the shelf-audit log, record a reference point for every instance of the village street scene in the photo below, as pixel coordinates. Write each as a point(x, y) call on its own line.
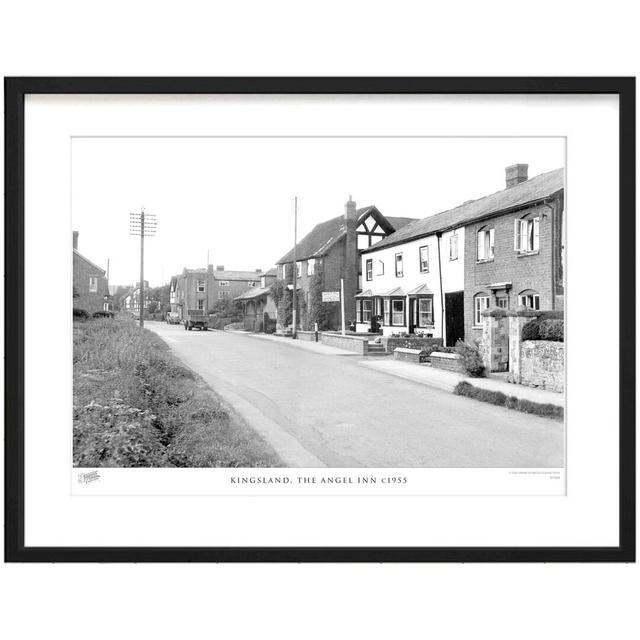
point(376, 340)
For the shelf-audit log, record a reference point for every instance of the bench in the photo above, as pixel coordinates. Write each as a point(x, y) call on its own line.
point(410, 355)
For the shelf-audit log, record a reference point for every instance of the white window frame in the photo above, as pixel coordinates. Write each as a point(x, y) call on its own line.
point(453, 246)
point(200, 304)
point(424, 249)
point(526, 235)
point(380, 268)
point(368, 266)
point(427, 313)
point(367, 313)
point(397, 313)
point(480, 303)
point(485, 240)
point(93, 284)
point(251, 283)
point(223, 283)
point(298, 269)
point(200, 286)
point(105, 306)
point(311, 266)
point(386, 312)
point(222, 295)
point(400, 261)
point(530, 300)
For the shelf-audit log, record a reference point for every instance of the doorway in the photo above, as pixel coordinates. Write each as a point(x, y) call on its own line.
point(454, 317)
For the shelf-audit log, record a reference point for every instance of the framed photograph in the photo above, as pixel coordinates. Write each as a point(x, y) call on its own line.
point(320, 319)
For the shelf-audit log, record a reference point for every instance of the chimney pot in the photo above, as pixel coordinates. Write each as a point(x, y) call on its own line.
point(75, 240)
point(515, 174)
point(209, 268)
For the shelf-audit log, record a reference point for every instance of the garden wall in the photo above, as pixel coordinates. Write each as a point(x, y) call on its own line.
point(447, 361)
point(390, 343)
point(542, 364)
point(350, 343)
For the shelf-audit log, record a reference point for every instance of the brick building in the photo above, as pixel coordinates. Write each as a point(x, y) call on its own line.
point(436, 275)
point(258, 306)
point(514, 247)
point(202, 288)
point(90, 283)
point(331, 252)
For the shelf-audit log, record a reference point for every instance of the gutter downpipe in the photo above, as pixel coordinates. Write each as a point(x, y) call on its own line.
point(442, 327)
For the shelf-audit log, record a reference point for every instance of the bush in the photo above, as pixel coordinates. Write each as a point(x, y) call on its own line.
point(103, 314)
point(500, 399)
point(552, 329)
point(80, 314)
point(471, 359)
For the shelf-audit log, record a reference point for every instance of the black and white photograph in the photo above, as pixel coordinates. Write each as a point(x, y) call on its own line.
point(319, 301)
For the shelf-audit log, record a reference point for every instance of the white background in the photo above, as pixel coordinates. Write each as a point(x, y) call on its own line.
point(479, 601)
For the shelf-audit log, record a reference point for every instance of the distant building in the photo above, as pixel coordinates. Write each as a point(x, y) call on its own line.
point(258, 306)
point(90, 285)
point(131, 300)
point(331, 252)
point(202, 288)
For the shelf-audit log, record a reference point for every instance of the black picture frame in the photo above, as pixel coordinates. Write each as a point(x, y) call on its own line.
point(15, 91)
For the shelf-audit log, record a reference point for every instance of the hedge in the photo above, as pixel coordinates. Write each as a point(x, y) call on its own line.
point(552, 330)
point(500, 399)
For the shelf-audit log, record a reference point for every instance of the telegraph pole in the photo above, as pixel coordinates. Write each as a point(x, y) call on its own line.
point(142, 224)
point(295, 264)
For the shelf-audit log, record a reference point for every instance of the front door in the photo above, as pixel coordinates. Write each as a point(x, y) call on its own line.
point(454, 317)
point(413, 314)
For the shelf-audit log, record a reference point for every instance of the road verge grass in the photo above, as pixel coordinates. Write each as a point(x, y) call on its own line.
point(500, 399)
point(136, 405)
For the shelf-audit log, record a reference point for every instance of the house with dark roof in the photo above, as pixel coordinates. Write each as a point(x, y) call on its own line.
point(201, 288)
point(90, 283)
point(329, 253)
point(436, 275)
point(258, 305)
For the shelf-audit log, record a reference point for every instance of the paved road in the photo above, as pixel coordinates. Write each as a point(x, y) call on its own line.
point(326, 410)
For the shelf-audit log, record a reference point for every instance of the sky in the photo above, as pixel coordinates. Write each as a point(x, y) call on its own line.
point(233, 198)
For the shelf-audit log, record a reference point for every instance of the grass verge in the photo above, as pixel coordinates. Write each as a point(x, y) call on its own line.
point(500, 399)
point(136, 405)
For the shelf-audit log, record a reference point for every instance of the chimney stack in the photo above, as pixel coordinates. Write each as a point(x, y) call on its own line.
point(209, 269)
point(515, 174)
point(350, 210)
point(75, 240)
point(220, 267)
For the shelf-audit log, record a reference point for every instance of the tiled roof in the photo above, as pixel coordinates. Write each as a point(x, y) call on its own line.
point(324, 235)
point(252, 293)
point(93, 264)
point(537, 188)
point(227, 274)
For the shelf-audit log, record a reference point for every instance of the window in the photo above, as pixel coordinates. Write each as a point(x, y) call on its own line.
point(399, 271)
point(363, 310)
point(485, 244)
point(284, 271)
point(379, 308)
point(453, 246)
point(480, 303)
point(200, 304)
point(424, 309)
point(369, 269)
point(397, 313)
point(105, 306)
point(387, 314)
point(93, 284)
point(503, 302)
point(364, 241)
point(298, 269)
point(380, 268)
point(526, 235)
point(424, 259)
point(200, 286)
point(311, 265)
point(251, 283)
point(529, 299)
point(223, 294)
point(222, 283)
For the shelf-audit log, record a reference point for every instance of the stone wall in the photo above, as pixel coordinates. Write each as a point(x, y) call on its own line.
point(542, 364)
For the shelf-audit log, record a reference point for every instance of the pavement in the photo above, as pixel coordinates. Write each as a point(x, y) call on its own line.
point(305, 345)
point(317, 410)
point(447, 380)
